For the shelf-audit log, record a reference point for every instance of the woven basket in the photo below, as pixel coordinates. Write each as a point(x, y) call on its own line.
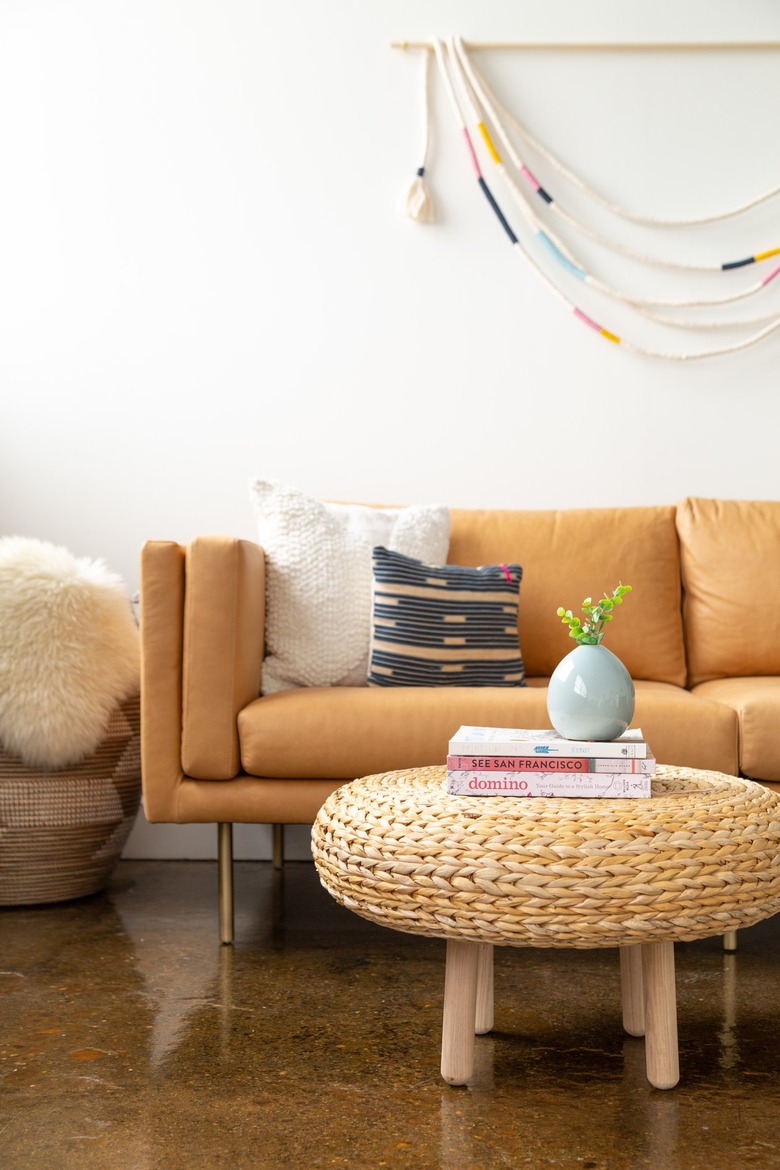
point(62, 832)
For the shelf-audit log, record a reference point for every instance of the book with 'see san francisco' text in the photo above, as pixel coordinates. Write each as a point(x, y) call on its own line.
point(540, 765)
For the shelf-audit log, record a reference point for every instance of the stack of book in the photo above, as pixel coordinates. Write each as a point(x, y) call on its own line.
point(505, 761)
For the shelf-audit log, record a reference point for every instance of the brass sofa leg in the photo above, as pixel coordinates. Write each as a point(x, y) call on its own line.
point(278, 846)
point(225, 863)
point(730, 940)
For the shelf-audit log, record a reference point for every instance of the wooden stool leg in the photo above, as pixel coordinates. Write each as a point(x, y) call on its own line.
point(661, 1051)
point(460, 1005)
point(631, 990)
point(483, 1020)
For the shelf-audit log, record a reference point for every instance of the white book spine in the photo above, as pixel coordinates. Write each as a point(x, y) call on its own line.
point(541, 741)
point(592, 784)
point(612, 749)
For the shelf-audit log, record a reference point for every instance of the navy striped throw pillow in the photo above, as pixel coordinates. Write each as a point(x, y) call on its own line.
point(444, 625)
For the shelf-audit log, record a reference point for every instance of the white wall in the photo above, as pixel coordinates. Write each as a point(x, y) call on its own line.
point(204, 277)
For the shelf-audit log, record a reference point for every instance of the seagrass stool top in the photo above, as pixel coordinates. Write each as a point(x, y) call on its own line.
point(700, 857)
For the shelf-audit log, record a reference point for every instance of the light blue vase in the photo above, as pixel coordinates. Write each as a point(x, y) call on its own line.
point(590, 695)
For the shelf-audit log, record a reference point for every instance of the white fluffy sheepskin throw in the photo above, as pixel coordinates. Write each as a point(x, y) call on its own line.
point(69, 651)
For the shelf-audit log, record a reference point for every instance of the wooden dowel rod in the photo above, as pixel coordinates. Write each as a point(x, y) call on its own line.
point(612, 46)
point(460, 1010)
point(661, 1047)
point(632, 990)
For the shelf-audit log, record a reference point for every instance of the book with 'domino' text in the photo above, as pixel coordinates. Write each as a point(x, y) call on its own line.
point(515, 741)
point(541, 765)
point(591, 784)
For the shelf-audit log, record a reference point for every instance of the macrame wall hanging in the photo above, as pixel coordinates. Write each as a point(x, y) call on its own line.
point(483, 121)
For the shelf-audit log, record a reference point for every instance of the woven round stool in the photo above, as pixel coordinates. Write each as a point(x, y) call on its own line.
point(700, 857)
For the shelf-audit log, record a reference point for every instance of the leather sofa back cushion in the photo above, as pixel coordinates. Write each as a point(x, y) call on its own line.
point(730, 553)
point(570, 554)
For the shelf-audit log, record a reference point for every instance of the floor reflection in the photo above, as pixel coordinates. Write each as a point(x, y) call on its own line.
point(727, 1033)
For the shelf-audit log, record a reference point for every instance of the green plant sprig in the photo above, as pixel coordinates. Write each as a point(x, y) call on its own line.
point(590, 631)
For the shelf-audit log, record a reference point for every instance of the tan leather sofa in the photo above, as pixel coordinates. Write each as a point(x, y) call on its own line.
point(700, 635)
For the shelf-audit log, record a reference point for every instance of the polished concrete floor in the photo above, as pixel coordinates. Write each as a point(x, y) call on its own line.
point(129, 1038)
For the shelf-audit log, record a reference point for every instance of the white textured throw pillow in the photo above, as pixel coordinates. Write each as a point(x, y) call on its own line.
point(318, 579)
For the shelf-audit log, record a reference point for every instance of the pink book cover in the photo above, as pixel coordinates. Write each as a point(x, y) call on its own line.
point(540, 764)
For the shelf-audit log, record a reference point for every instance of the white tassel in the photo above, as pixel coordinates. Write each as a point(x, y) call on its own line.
point(418, 201)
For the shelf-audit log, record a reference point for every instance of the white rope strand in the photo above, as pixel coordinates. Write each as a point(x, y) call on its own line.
point(520, 249)
point(555, 206)
point(616, 208)
point(483, 110)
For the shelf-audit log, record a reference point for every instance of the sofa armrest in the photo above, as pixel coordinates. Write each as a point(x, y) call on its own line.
point(202, 632)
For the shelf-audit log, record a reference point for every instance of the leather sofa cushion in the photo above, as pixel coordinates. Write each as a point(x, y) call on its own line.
point(346, 732)
point(757, 703)
point(730, 558)
point(570, 554)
